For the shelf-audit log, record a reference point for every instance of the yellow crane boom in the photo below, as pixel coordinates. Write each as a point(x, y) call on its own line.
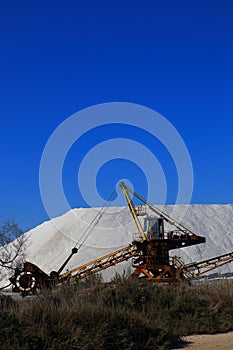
point(197, 269)
point(101, 263)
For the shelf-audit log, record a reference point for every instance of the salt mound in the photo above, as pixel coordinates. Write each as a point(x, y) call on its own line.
point(49, 244)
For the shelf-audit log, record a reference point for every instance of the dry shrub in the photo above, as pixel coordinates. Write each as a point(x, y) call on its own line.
point(118, 315)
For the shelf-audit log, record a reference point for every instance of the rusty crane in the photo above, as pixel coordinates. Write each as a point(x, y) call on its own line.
point(149, 252)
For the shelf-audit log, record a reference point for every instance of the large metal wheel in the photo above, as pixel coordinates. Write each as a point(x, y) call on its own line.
point(26, 283)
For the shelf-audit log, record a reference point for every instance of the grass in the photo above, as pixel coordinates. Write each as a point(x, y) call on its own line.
point(119, 315)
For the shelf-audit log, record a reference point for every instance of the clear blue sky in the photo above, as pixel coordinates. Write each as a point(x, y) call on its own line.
point(58, 57)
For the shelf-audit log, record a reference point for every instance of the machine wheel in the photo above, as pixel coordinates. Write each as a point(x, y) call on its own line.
point(26, 283)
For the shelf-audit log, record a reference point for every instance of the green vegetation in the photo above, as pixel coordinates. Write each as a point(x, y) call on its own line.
point(119, 315)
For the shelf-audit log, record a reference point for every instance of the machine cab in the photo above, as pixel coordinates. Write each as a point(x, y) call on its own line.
point(154, 227)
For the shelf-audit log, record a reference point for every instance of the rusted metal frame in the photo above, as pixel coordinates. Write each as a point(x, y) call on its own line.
point(207, 267)
point(180, 265)
point(142, 269)
point(104, 262)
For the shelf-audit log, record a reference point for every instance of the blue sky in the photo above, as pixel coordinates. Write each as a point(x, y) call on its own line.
point(58, 57)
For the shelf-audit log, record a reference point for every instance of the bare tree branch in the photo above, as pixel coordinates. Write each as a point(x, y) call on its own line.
point(12, 247)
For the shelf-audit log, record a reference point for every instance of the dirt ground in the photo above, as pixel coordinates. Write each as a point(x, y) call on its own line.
point(222, 341)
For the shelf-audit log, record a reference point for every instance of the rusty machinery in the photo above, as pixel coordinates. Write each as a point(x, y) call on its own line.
point(149, 252)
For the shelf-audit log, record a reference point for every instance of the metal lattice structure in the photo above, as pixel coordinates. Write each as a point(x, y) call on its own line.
point(149, 254)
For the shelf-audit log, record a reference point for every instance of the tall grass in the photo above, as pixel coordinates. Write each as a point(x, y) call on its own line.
point(118, 315)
